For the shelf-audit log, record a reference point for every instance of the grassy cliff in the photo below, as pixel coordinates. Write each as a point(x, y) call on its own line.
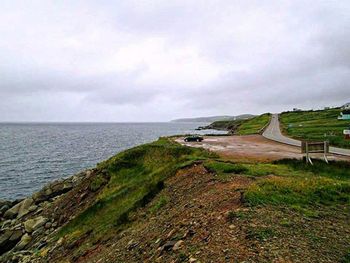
point(316, 125)
point(243, 127)
point(136, 176)
point(254, 125)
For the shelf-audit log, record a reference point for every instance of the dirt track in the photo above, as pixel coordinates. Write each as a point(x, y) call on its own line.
point(251, 148)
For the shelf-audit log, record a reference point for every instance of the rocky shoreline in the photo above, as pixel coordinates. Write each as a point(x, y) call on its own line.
point(28, 225)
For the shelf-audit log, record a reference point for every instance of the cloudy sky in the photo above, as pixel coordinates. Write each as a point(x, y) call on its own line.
point(158, 60)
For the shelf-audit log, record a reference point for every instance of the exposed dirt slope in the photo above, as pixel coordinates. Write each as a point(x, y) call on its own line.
point(204, 220)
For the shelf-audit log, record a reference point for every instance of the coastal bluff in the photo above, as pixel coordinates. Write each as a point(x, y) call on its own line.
point(28, 225)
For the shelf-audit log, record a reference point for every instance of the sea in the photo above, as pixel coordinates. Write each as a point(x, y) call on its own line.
point(34, 154)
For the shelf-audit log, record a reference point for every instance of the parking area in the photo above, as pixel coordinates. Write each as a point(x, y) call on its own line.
point(251, 148)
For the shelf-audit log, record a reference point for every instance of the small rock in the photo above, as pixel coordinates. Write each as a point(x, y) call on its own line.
point(9, 239)
point(25, 240)
point(16, 235)
point(169, 245)
point(83, 195)
point(4, 208)
point(12, 212)
point(178, 245)
point(4, 237)
point(131, 244)
point(24, 207)
point(32, 224)
point(231, 226)
point(5, 202)
point(170, 233)
point(60, 241)
point(6, 223)
point(18, 226)
point(19, 209)
point(188, 233)
point(32, 208)
point(192, 260)
point(48, 225)
point(38, 231)
point(41, 244)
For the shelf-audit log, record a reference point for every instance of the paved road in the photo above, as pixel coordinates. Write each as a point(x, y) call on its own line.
point(273, 132)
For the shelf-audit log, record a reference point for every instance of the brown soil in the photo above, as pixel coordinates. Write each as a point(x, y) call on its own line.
point(253, 148)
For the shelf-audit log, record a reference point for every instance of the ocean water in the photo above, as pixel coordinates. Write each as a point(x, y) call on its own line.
point(31, 155)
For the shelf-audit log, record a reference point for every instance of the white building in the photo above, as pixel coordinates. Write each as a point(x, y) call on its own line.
point(346, 106)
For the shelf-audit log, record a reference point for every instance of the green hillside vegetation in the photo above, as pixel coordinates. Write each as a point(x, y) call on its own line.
point(243, 127)
point(230, 125)
point(303, 186)
point(254, 125)
point(136, 175)
point(316, 126)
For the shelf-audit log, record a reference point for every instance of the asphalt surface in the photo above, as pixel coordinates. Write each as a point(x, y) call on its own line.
point(273, 132)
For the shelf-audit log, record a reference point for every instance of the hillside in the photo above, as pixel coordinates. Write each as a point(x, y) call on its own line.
point(243, 126)
point(316, 125)
point(214, 118)
point(164, 202)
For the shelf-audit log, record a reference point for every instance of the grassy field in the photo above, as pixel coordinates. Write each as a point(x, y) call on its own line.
point(291, 182)
point(243, 127)
point(303, 186)
point(316, 125)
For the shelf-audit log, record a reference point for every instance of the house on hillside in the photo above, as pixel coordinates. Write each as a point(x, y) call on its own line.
point(346, 106)
point(344, 115)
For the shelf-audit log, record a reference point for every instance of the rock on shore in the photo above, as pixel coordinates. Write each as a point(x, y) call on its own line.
point(26, 225)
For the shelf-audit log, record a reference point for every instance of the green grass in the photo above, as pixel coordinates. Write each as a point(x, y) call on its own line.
point(221, 167)
point(303, 186)
point(291, 182)
point(163, 200)
point(230, 125)
point(346, 258)
point(97, 182)
point(243, 127)
point(254, 125)
point(261, 234)
point(316, 126)
point(136, 175)
point(226, 168)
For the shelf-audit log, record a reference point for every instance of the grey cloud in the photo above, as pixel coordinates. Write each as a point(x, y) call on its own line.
point(183, 57)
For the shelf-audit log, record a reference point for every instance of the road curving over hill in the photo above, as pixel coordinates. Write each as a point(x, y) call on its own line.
point(273, 132)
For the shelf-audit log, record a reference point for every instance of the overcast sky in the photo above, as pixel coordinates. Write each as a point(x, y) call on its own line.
point(158, 60)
